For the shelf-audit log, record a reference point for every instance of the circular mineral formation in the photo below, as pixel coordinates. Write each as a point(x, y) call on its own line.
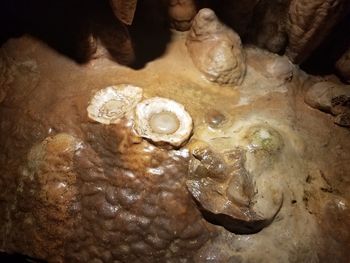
point(261, 138)
point(163, 121)
point(214, 118)
point(111, 104)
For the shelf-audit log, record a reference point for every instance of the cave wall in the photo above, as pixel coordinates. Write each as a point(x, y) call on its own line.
point(135, 32)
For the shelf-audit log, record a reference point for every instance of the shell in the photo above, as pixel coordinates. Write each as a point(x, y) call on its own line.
point(148, 108)
point(111, 104)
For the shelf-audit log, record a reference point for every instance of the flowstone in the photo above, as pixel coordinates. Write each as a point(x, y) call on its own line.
point(258, 176)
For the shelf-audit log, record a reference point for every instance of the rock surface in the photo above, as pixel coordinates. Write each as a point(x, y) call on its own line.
point(332, 98)
point(75, 190)
point(216, 50)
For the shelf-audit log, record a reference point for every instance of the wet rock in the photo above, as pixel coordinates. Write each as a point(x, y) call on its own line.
point(138, 205)
point(46, 195)
point(216, 50)
point(215, 119)
point(113, 103)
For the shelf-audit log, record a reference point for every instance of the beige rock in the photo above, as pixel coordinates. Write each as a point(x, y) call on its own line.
point(327, 96)
point(270, 65)
point(216, 50)
point(124, 10)
point(332, 98)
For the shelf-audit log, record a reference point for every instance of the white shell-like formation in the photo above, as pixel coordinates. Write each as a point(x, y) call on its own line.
point(111, 104)
point(163, 121)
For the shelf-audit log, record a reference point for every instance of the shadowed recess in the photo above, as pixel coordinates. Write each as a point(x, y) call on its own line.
point(76, 28)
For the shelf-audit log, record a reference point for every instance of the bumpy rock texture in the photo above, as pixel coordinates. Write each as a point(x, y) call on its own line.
point(216, 50)
point(90, 193)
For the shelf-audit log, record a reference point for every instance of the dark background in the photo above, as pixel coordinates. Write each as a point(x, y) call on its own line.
point(62, 24)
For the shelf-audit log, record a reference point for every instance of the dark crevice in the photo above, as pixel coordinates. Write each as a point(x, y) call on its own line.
point(323, 59)
point(67, 27)
point(9, 258)
point(150, 32)
point(231, 224)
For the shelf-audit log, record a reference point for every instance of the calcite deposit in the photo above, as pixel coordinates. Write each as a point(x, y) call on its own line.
point(216, 50)
point(163, 121)
point(211, 152)
point(112, 104)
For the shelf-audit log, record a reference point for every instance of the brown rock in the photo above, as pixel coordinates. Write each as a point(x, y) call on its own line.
point(181, 13)
point(124, 10)
point(309, 22)
point(343, 119)
point(46, 194)
point(226, 192)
